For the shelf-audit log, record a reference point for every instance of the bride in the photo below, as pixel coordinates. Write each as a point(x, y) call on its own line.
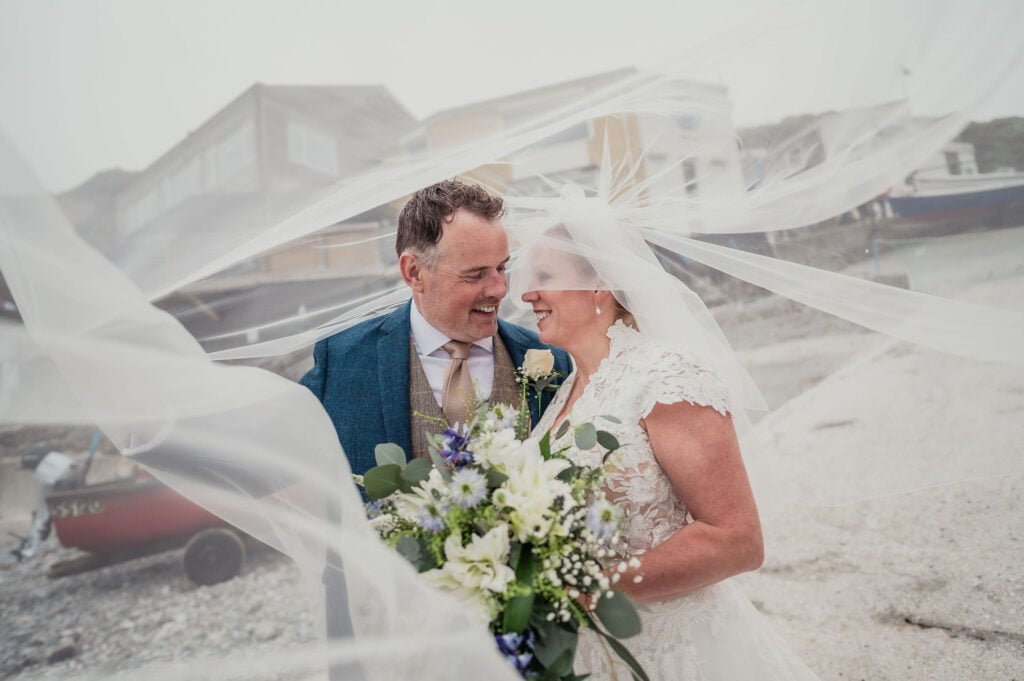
point(679, 477)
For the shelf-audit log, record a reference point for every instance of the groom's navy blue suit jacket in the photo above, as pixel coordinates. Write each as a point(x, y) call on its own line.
point(361, 375)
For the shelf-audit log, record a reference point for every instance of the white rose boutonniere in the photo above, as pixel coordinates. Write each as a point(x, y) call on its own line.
point(538, 364)
point(538, 372)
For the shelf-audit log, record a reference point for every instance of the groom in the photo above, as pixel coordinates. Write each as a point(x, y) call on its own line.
point(428, 356)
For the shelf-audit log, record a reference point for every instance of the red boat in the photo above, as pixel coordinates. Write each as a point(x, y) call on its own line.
point(125, 518)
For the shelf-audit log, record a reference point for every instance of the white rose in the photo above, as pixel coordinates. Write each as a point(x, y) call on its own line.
point(538, 364)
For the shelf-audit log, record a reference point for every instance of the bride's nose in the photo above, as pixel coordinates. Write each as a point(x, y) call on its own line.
point(530, 296)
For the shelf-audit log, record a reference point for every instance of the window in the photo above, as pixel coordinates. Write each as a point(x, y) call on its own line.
point(312, 148)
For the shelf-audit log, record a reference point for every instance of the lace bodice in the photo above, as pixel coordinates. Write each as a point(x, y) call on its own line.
point(638, 373)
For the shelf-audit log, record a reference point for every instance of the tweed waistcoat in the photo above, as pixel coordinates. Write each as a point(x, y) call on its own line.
point(425, 413)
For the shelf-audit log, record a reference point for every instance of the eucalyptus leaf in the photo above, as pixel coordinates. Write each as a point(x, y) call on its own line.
point(586, 436)
point(607, 440)
point(382, 481)
point(613, 419)
point(563, 429)
point(417, 470)
point(618, 615)
point(389, 452)
point(517, 613)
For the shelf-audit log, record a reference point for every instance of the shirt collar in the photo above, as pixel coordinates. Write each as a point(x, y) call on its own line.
point(429, 340)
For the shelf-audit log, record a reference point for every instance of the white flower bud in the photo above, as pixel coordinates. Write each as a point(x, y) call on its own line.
point(615, 578)
point(634, 562)
point(638, 579)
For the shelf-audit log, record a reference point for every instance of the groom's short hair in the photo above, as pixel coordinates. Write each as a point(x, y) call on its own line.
point(421, 222)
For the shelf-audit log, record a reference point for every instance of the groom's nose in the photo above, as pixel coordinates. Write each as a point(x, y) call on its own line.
point(497, 285)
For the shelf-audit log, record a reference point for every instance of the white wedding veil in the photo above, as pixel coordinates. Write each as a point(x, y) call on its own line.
point(175, 307)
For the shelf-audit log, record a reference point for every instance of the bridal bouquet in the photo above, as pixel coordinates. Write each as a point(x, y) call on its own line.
point(514, 529)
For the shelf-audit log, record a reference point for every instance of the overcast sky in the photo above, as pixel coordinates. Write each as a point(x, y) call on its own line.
point(87, 85)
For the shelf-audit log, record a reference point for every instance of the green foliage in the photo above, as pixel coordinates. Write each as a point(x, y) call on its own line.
point(618, 615)
point(997, 144)
point(416, 471)
point(586, 436)
point(517, 613)
point(623, 652)
point(495, 478)
point(389, 452)
point(382, 481)
point(607, 440)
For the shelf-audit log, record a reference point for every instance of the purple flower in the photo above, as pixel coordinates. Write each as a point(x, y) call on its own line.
point(520, 662)
point(510, 645)
point(456, 448)
point(374, 509)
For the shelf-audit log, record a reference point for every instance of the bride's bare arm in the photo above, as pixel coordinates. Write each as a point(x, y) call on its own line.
point(698, 450)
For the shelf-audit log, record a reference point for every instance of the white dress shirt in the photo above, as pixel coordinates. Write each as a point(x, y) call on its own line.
point(436, 360)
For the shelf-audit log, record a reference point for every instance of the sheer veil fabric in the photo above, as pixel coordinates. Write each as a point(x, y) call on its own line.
point(176, 326)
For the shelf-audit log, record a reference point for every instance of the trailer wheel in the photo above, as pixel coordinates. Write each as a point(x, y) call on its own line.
point(214, 555)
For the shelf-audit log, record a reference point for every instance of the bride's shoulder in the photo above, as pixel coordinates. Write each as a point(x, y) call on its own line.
point(664, 372)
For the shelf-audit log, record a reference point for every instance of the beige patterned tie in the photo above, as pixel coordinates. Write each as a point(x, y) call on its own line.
point(458, 385)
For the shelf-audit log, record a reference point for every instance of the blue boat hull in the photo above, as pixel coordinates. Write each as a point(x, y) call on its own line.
point(945, 206)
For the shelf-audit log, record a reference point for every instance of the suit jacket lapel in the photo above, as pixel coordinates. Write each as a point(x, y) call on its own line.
point(393, 378)
point(517, 344)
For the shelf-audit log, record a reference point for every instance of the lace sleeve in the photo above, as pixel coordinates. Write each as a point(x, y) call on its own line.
point(673, 376)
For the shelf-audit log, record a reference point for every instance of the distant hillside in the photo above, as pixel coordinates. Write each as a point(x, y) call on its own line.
point(997, 144)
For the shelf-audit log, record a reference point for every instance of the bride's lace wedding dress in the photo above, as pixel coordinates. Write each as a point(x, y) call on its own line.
point(714, 633)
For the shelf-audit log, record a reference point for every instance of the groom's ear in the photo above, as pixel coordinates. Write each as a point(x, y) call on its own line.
point(412, 271)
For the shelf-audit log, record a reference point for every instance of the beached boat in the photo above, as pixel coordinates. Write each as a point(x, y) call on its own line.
point(977, 197)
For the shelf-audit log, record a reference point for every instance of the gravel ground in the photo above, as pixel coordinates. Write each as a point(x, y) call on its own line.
point(123, 616)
